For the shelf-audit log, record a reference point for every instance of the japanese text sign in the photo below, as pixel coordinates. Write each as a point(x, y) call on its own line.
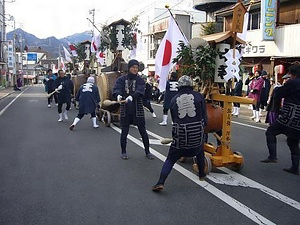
point(268, 16)
point(238, 17)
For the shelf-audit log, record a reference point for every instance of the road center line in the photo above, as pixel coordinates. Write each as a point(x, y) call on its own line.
point(251, 214)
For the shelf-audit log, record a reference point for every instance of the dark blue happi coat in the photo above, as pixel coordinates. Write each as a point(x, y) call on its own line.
point(290, 113)
point(135, 87)
point(64, 95)
point(188, 111)
point(88, 98)
point(171, 91)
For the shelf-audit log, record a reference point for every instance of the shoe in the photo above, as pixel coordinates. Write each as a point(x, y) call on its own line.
point(124, 156)
point(267, 160)
point(49, 106)
point(150, 156)
point(153, 115)
point(257, 121)
point(290, 170)
point(163, 123)
point(56, 104)
point(182, 159)
point(72, 127)
point(66, 115)
point(158, 187)
point(202, 178)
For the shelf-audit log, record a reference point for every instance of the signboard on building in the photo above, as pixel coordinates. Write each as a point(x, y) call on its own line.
point(10, 53)
point(159, 26)
point(260, 49)
point(268, 19)
point(31, 57)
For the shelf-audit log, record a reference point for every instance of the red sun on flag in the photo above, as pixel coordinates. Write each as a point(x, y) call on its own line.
point(167, 53)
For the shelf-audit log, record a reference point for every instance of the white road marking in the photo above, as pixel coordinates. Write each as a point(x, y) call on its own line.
point(241, 180)
point(9, 104)
point(251, 214)
point(248, 125)
point(235, 179)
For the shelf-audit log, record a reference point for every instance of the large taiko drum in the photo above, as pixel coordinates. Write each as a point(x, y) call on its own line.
point(78, 80)
point(214, 118)
point(106, 82)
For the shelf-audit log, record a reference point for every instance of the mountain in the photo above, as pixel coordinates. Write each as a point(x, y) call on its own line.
point(50, 44)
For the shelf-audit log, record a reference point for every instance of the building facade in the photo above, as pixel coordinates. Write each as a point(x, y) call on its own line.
point(272, 33)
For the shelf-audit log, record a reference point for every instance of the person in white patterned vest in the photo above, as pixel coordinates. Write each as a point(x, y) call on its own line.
point(188, 111)
point(288, 122)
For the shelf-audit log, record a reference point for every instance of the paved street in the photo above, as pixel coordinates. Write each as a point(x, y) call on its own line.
point(51, 175)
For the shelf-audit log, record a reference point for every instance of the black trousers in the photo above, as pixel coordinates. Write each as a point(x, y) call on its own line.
point(51, 97)
point(143, 133)
point(292, 139)
point(59, 108)
point(175, 154)
point(147, 104)
point(81, 115)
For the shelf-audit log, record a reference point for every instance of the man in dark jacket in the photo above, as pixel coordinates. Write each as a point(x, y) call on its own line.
point(64, 87)
point(188, 111)
point(88, 98)
point(288, 122)
point(50, 86)
point(237, 91)
point(171, 91)
point(147, 96)
point(131, 88)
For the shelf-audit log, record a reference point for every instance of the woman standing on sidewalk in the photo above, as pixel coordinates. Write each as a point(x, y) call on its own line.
point(255, 91)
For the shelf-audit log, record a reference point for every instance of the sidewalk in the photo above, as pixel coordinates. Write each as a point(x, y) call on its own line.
point(4, 92)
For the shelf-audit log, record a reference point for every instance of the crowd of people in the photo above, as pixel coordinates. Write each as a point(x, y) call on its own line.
point(188, 111)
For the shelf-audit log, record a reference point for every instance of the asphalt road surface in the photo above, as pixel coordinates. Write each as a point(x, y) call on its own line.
point(51, 175)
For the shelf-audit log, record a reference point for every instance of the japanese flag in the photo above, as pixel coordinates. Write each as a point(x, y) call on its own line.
point(72, 48)
point(96, 42)
point(67, 55)
point(62, 64)
point(54, 68)
point(167, 52)
point(101, 58)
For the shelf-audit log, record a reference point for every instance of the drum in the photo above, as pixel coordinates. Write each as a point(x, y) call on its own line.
point(214, 118)
point(106, 82)
point(78, 80)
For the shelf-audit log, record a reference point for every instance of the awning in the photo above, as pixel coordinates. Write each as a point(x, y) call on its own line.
point(219, 37)
point(28, 76)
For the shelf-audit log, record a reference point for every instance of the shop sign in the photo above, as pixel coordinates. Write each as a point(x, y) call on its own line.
point(268, 15)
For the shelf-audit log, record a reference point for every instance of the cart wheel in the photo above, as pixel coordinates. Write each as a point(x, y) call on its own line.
point(107, 118)
point(207, 166)
point(100, 115)
point(236, 166)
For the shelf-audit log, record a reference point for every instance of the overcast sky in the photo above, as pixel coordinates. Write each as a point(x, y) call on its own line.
point(61, 18)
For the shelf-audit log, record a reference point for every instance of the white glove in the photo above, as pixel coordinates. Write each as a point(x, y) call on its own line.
point(119, 98)
point(59, 87)
point(129, 99)
point(277, 86)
